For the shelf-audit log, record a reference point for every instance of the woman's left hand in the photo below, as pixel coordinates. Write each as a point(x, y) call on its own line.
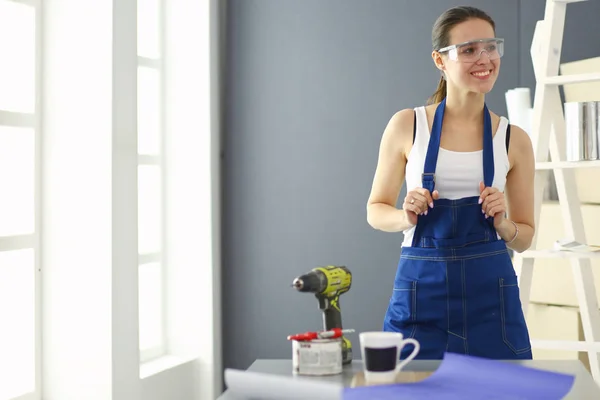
point(492, 203)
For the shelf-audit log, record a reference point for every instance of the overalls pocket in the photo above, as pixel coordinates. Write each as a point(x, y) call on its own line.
point(514, 328)
point(403, 305)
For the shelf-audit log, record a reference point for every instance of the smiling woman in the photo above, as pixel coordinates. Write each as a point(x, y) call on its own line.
point(455, 288)
point(473, 38)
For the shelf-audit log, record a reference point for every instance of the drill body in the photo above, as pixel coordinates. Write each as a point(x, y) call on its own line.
point(328, 284)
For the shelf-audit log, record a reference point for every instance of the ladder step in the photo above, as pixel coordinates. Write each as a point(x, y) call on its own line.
point(569, 1)
point(149, 62)
point(147, 159)
point(8, 243)
point(17, 119)
point(575, 78)
point(557, 254)
point(566, 164)
point(568, 345)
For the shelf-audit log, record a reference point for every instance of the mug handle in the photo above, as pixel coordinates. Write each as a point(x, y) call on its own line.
point(412, 355)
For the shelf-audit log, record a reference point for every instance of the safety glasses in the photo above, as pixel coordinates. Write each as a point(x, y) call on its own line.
point(471, 51)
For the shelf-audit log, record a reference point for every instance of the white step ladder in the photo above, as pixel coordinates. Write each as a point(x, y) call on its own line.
point(548, 134)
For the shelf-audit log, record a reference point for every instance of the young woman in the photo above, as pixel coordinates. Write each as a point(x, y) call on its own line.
point(470, 178)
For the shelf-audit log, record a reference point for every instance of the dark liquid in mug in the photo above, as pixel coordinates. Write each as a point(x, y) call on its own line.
point(380, 359)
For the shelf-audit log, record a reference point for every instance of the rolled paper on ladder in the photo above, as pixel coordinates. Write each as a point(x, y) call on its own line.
point(518, 105)
point(517, 99)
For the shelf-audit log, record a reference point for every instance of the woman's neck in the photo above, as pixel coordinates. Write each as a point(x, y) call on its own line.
point(465, 105)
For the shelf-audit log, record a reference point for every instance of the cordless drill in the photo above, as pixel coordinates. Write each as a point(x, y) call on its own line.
point(328, 283)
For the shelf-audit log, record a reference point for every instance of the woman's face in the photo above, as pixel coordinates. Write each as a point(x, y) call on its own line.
point(473, 67)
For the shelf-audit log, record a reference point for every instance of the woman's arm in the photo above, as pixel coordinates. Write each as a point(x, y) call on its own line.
point(519, 191)
point(382, 213)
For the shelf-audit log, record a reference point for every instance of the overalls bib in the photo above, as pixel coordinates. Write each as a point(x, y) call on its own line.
point(455, 289)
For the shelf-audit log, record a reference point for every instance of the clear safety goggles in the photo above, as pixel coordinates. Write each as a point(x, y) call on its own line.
point(471, 51)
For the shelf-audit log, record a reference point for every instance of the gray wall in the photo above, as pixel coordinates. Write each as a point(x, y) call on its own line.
point(310, 86)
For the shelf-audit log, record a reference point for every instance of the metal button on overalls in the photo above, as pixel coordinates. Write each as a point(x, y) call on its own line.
point(455, 288)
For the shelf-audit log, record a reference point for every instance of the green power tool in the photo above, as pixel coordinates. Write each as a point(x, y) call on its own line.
point(328, 284)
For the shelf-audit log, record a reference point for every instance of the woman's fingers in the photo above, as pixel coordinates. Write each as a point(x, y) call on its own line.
point(417, 199)
point(425, 193)
point(492, 207)
point(413, 208)
point(486, 192)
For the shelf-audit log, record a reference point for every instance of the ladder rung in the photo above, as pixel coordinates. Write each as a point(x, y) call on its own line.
point(8, 243)
point(566, 164)
point(147, 159)
point(17, 119)
point(567, 345)
point(575, 78)
point(558, 254)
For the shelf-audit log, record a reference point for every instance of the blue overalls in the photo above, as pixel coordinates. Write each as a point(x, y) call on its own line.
point(455, 289)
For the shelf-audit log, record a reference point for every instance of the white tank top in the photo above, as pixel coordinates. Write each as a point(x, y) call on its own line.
point(457, 174)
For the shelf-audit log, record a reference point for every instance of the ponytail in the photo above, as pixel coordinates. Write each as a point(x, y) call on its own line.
point(440, 92)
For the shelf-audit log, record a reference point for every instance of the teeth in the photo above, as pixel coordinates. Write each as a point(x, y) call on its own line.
point(481, 73)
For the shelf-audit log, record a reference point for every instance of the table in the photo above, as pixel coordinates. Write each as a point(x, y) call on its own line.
point(583, 388)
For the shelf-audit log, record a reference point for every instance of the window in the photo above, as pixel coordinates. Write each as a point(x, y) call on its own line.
point(19, 204)
point(151, 197)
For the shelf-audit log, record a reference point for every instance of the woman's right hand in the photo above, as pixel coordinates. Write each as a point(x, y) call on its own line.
point(417, 202)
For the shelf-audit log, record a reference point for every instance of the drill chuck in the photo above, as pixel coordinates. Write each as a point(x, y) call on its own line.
point(311, 282)
point(298, 284)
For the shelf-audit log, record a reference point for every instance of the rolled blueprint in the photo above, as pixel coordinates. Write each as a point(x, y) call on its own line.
point(254, 385)
point(518, 105)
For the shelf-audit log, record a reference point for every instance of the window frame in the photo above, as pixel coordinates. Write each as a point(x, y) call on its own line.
point(32, 241)
point(158, 64)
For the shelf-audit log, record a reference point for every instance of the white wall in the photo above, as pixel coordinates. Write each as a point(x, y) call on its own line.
point(179, 382)
point(89, 229)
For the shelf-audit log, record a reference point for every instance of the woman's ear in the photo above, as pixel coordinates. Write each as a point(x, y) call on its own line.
point(438, 61)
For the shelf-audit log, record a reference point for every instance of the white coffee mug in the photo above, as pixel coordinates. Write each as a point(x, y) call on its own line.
point(380, 353)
